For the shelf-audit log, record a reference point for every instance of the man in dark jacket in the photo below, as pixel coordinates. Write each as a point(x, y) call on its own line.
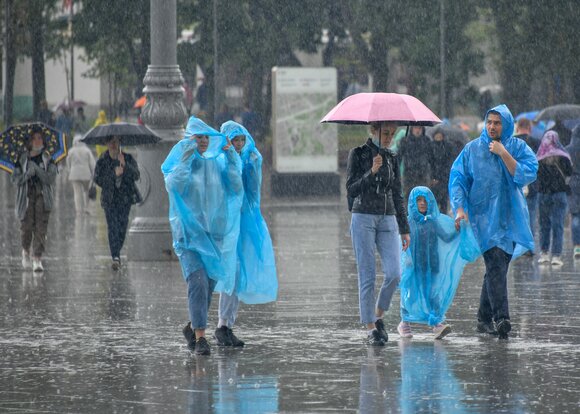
point(524, 132)
point(379, 216)
point(116, 173)
point(414, 152)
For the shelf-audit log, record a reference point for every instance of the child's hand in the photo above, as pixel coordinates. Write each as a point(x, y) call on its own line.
point(406, 240)
point(228, 145)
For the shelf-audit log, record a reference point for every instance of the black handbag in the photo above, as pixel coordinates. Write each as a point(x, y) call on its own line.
point(92, 190)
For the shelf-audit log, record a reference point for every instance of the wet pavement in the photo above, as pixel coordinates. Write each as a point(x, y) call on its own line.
point(81, 338)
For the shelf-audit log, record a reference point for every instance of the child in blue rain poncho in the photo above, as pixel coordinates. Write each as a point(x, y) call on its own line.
point(204, 183)
point(256, 280)
point(485, 189)
point(433, 264)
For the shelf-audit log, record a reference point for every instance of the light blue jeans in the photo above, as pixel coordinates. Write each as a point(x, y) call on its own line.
point(228, 309)
point(199, 290)
point(370, 232)
point(553, 208)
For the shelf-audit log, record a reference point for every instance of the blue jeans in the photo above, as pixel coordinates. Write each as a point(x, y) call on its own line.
point(493, 301)
point(532, 209)
point(370, 232)
point(576, 229)
point(199, 290)
point(552, 213)
point(228, 309)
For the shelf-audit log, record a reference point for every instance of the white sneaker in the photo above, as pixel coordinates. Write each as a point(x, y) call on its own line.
point(26, 263)
point(37, 265)
point(556, 261)
point(404, 330)
point(544, 258)
point(441, 330)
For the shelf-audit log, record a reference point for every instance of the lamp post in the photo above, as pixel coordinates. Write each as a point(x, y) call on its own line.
point(165, 113)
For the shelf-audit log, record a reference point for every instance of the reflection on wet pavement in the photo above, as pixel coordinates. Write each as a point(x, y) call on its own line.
point(82, 338)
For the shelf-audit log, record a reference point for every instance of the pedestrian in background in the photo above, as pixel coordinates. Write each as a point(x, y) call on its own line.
point(116, 173)
point(524, 132)
point(486, 182)
point(441, 156)
point(34, 174)
point(414, 153)
point(379, 216)
point(555, 166)
point(574, 196)
point(81, 166)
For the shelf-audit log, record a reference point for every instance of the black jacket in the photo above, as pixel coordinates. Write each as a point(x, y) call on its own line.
point(115, 193)
point(441, 156)
point(376, 194)
point(534, 144)
point(552, 173)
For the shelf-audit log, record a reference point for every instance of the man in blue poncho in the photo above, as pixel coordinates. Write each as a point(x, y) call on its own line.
point(204, 184)
point(485, 187)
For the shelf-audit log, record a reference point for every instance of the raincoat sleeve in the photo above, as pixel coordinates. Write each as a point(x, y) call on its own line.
point(19, 174)
point(99, 174)
point(460, 180)
point(252, 172)
point(233, 171)
point(358, 181)
point(526, 167)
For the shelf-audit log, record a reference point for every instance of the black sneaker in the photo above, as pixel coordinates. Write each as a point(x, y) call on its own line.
point(202, 346)
point(486, 328)
point(116, 263)
point(503, 327)
point(236, 342)
point(375, 339)
point(222, 336)
point(189, 336)
point(380, 325)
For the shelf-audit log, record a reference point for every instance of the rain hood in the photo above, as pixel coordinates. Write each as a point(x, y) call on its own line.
point(257, 280)
point(433, 263)
point(205, 197)
point(481, 183)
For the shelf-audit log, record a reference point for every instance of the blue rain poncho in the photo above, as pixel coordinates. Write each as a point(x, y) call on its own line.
point(205, 197)
point(493, 199)
point(257, 281)
point(433, 263)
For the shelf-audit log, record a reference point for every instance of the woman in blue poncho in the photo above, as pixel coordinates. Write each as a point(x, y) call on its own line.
point(485, 187)
point(432, 265)
point(203, 180)
point(256, 280)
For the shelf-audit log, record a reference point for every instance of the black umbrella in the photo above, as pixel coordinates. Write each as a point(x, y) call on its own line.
point(454, 135)
point(128, 134)
point(560, 112)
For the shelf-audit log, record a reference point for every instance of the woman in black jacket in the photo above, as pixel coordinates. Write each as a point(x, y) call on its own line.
point(116, 173)
point(378, 217)
point(441, 155)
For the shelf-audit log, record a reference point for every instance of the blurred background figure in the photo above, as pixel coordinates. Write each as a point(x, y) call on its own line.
point(441, 156)
point(574, 196)
point(81, 165)
point(414, 152)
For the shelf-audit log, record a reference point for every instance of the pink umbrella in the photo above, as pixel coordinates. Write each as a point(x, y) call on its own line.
point(363, 108)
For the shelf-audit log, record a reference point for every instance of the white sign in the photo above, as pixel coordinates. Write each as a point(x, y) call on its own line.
point(300, 99)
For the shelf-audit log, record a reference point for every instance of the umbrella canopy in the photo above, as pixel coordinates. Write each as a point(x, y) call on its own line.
point(140, 103)
point(560, 112)
point(364, 108)
point(13, 143)
point(129, 134)
point(69, 105)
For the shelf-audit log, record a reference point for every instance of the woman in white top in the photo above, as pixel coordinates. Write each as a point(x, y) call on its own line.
point(81, 164)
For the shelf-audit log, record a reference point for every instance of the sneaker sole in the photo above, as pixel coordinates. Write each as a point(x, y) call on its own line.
point(444, 333)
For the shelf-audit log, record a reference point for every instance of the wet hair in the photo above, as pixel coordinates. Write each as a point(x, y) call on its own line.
point(524, 123)
point(494, 113)
point(378, 124)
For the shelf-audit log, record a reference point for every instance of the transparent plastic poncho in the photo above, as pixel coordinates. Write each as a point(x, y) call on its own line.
point(433, 263)
point(257, 281)
point(205, 198)
point(481, 183)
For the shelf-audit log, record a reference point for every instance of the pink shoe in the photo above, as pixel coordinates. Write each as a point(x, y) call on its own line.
point(404, 330)
point(441, 330)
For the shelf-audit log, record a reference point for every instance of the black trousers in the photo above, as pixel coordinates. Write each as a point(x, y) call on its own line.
point(117, 223)
point(493, 302)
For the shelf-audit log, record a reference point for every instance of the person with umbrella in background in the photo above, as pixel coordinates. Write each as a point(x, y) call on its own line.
point(35, 174)
point(379, 215)
point(524, 132)
point(485, 188)
point(116, 173)
point(574, 195)
point(555, 166)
